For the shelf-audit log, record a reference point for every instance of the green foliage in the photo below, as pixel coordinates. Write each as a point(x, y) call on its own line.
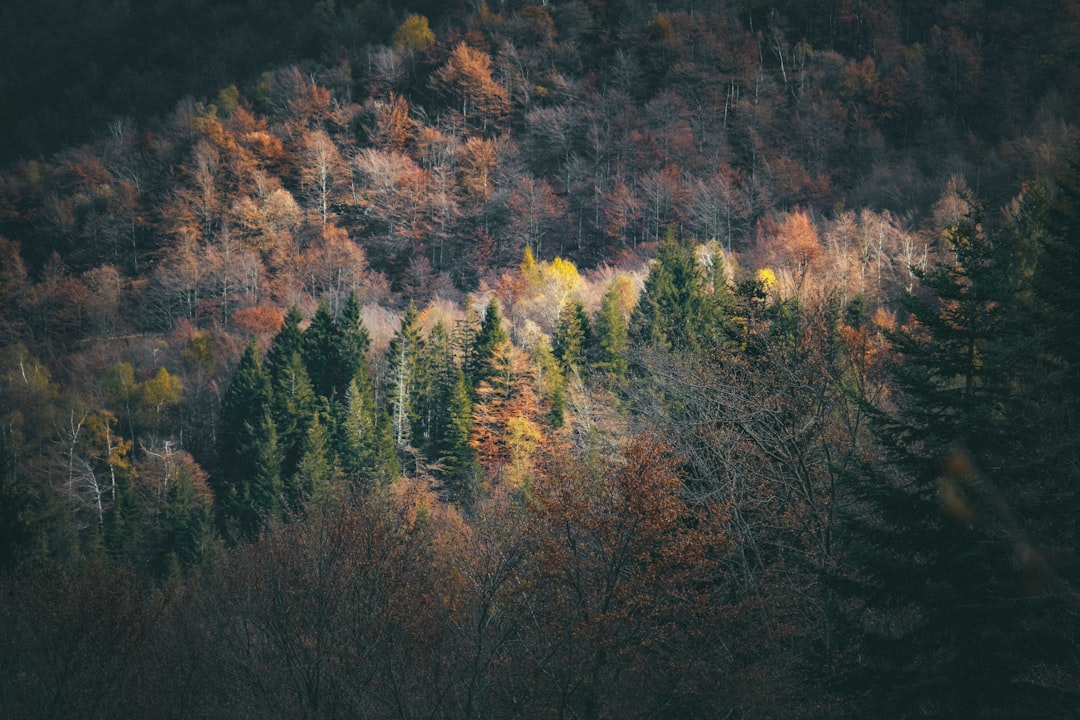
point(612, 336)
point(673, 313)
point(938, 581)
point(491, 334)
point(404, 382)
point(572, 337)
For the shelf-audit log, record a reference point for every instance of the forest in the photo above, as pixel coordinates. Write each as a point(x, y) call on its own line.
point(557, 359)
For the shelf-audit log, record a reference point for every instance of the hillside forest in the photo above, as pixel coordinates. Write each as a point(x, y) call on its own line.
point(579, 359)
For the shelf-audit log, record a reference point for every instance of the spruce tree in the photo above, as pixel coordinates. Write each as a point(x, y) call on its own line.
point(460, 470)
point(674, 312)
point(293, 408)
point(940, 549)
point(355, 435)
point(572, 337)
point(612, 338)
point(265, 490)
point(490, 335)
point(316, 474)
point(288, 341)
point(350, 361)
point(403, 367)
point(322, 342)
point(243, 432)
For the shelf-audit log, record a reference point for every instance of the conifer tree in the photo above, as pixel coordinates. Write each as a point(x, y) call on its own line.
point(944, 604)
point(322, 341)
point(293, 408)
point(403, 366)
point(242, 436)
point(436, 381)
point(288, 341)
point(572, 337)
point(316, 474)
point(355, 435)
point(185, 523)
point(612, 338)
point(490, 335)
point(265, 491)
point(122, 526)
point(460, 471)
point(673, 312)
point(350, 361)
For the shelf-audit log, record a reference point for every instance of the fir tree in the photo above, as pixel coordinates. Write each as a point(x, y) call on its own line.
point(322, 341)
point(674, 312)
point(612, 338)
point(572, 337)
point(403, 361)
point(490, 335)
point(243, 432)
point(944, 607)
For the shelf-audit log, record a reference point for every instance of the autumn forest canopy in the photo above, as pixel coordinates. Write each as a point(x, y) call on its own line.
point(581, 359)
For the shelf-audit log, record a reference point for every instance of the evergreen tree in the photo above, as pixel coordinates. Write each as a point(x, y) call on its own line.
point(945, 610)
point(316, 475)
point(674, 312)
point(243, 432)
point(185, 529)
point(437, 371)
point(491, 334)
point(460, 471)
point(322, 341)
point(265, 491)
point(350, 360)
point(387, 467)
point(293, 409)
point(355, 436)
point(403, 367)
point(288, 341)
point(572, 337)
point(122, 523)
point(612, 338)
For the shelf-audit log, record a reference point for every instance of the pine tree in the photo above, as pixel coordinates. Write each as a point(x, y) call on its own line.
point(947, 629)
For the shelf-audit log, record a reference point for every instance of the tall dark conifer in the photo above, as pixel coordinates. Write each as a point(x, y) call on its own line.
point(242, 434)
point(954, 619)
point(490, 335)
